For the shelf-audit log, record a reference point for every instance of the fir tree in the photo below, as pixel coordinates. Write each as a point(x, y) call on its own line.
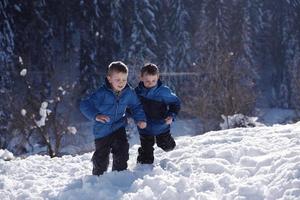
point(143, 40)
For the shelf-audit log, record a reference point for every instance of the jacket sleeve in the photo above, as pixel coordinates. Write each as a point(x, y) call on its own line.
point(136, 108)
point(172, 101)
point(88, 108)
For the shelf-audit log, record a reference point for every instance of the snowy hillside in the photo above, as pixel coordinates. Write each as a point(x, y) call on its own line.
point(253, 164)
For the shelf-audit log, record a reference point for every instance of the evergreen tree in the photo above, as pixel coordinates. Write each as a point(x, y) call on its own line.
point(291, 41)
point(166, 48)
point(6, 62)
point(143, 40)
point(96, 42)
point(179, 29)
point(118, 23)
point(174, 51)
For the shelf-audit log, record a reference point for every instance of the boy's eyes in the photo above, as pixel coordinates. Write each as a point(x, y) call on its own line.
point(151, 81)
point(120, 80)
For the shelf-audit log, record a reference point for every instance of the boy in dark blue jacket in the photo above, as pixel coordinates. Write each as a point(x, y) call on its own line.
point(161, 106)
point(106, 108)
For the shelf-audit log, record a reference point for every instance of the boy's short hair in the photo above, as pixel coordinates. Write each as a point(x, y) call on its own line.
point(118, 67)
point(150, 69)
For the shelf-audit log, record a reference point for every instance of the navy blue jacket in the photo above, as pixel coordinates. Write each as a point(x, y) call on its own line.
point(159, 102)
point(106, 102)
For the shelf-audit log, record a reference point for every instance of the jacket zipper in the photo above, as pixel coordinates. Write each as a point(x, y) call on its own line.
point(117, 108)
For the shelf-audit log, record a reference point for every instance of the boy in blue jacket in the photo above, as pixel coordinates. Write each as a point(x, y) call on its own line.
point(106, 108)
point(161, 106)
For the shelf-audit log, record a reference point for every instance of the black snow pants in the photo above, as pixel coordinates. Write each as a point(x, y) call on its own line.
point(117, 144)
point(145, 153)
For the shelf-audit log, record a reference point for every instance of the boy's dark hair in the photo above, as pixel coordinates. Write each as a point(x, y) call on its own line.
point(150, 69)
point(118, 67)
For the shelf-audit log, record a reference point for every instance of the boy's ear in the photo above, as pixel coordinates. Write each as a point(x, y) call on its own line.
point(108, 78)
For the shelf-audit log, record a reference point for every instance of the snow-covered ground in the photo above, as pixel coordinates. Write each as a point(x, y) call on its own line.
point(83, 141)
point(244, 163)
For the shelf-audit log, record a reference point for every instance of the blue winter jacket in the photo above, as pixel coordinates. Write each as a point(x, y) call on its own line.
point(106, 102)
point(158, 103)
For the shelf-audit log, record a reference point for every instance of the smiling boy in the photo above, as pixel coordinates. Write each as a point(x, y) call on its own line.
point(106, 108)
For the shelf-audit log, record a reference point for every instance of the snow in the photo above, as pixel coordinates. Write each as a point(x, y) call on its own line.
point(60, 88)
point(17, 8)
point(6, 155)
point(72, 129)
point(235, 164)
point(44, 112)
point(23, 112)
point(238, 120)
point(21, 61)
point(23, 72)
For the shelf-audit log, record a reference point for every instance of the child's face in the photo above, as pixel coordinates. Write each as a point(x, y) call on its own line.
point(117, 80)
point(149, 80)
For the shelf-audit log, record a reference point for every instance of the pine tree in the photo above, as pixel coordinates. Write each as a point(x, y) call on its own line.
point(183, 38)
point(118, 26)
point(165, 51)
point(174, 49)
point(6, 61)
point(143, 40)
point(291, 41)
point(96, 42)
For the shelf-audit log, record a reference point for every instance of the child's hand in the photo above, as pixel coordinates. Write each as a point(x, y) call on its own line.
point(142, 124)
point(169, 120)
point(102, 118)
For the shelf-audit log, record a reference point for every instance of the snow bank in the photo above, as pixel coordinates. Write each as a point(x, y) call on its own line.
point(6, 155)
point(243, 163)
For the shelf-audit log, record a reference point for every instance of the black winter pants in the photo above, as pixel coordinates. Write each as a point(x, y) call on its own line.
point(145, 152)
point(117, 144)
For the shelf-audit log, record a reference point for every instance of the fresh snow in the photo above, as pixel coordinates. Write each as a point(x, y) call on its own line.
point(6, 155)
point(236, 164)
point(23, 72)
point(72, 129)
point(44, 112)
point(23, 112)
